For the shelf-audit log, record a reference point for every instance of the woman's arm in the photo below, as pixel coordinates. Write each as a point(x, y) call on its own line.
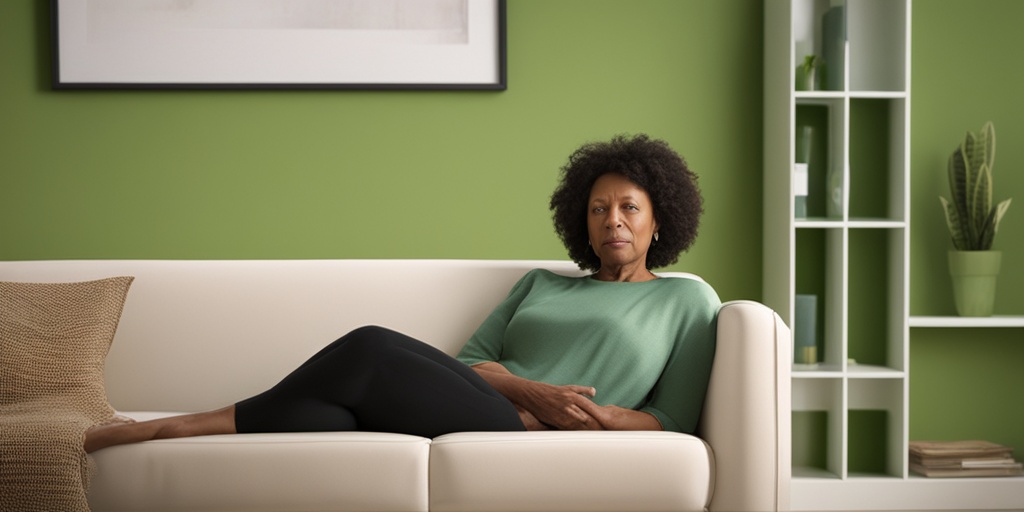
point(613, 417)
point(561, 407)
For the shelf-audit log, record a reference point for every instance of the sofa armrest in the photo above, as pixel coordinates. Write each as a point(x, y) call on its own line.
point(746, 417)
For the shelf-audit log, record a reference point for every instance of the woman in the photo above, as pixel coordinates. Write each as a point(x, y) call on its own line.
point(620, 349)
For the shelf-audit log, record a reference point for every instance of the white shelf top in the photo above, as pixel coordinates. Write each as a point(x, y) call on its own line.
point(827, 222)
point(804, 472)
point(817, 371)
point(878, 94)
point(868, 371)
point(876, 223)
point(818, 222)
point(834, 371)
point(965, 321)
point(819, 93)
point(850, 94)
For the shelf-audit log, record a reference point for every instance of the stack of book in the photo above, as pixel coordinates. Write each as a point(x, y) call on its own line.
point(963, 459)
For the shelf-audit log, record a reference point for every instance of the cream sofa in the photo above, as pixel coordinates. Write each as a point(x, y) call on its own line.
point(197, 335)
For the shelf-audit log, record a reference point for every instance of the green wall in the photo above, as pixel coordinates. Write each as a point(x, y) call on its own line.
point(332, 174)
point(967, 68)
point(387, 174)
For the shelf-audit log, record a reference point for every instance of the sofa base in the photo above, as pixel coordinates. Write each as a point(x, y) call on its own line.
point(570, 471)
point(323, 471)
point(369, 471)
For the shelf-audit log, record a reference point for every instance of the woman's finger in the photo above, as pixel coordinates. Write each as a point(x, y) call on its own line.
point(583, 390)
point(578, 413)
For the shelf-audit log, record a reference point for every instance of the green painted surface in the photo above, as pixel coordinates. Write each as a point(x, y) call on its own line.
point(967, 68)
point(258, 174)
point(214, 174)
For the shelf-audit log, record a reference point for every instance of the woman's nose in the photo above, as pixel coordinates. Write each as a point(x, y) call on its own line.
point(613, 220)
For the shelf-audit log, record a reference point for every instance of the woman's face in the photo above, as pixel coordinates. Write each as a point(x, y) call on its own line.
point(620, 220)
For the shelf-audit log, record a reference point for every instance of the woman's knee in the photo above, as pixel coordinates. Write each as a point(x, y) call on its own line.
point(369, 338)
point(370, 332)
point(368, 345)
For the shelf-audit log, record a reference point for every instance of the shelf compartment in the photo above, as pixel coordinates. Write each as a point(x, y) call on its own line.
point(877, 159)
point(818, 427)
point(820, 271)
point(871, 59)
point(876, 440)
point(869, 442)
point(826, 117)
point(810, 441)
point(877, 307)
point(878, 43)
point(808, 39)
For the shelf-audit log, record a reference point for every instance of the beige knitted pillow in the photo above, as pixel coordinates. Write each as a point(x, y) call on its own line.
point(54, 339)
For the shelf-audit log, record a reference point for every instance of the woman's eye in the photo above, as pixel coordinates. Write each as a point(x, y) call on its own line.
point(599, 209)
point(632, 207)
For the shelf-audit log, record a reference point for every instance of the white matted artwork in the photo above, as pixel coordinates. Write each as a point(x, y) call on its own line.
point(343, 44)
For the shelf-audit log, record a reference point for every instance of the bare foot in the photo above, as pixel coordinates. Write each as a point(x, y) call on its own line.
point(221, 421)
point(102, 436)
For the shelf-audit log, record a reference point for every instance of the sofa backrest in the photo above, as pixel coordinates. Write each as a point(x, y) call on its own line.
point(198, 334)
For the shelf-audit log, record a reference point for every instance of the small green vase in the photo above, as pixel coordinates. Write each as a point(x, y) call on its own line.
point(806, 79)
point(974, 280)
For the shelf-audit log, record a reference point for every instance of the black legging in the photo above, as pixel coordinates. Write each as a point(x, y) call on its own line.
point(375, 379)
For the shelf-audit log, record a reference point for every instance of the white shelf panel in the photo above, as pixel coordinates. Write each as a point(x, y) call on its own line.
point(867, 371)
point(963, 321)
point(853, 371)
point(812, 474)
point(819, 95)
point(819, 492)
point(856, 223)
point(896, 95)
point(817, 371)
point(818, 223)
point(829, 95)
point(876, 223)
point(829, 255)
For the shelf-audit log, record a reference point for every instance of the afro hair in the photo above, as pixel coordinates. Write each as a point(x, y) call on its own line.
point(653, 166)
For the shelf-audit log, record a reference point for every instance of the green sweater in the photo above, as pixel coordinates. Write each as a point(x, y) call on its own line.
point(645, 346)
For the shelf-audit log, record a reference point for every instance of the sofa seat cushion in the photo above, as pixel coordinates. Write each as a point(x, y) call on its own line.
point(585, 471)
point(322, 471)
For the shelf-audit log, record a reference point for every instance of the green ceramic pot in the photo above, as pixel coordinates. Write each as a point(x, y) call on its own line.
point(974, 276)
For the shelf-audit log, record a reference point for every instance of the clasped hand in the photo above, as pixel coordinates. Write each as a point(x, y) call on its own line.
point(544, 406)
point(571, 408)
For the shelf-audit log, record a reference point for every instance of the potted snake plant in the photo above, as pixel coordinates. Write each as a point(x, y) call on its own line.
point(973, 223)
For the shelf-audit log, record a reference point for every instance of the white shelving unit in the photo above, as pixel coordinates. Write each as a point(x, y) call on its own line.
point(854, 259)
point(850, 410)
point(960, 321)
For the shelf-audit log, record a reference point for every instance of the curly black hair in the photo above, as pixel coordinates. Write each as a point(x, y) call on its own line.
point(653, 166)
